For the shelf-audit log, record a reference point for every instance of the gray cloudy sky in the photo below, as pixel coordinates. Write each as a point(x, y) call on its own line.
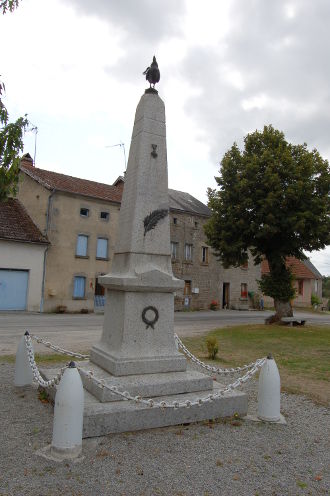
point(227, 68)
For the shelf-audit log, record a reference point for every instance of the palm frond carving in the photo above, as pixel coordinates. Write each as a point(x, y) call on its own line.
point(151, 221)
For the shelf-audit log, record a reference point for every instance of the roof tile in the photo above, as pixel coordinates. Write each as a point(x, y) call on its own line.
point(17, 225)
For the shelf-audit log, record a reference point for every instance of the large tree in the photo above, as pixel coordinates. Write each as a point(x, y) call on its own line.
point(273, 199)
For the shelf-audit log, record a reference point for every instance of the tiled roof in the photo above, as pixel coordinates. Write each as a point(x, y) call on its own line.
point(178, 200)
point(301, 269)
point(16, 225)
point(62, 182)
point(186, 203)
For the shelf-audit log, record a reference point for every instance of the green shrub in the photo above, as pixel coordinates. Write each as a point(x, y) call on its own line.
point(315, 300)
point(212, 347)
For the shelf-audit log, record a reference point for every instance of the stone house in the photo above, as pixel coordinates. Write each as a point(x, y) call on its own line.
point(308, 281)
point(80, 219)
point(22, 255)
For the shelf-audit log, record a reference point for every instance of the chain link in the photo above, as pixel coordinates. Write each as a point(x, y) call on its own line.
point(210, 368)
point(35, 371)
point(58, 348)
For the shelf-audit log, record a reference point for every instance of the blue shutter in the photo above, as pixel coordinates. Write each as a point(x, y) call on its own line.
point(81, 249)
point(102, 248)
point(79, 287)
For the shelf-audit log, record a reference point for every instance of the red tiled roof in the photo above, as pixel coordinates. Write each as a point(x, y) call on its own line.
point(298, 268)
point(62, 182)
point(16, 225)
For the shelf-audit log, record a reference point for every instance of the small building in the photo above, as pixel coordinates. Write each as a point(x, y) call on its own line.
point(22, 256)
point(308, 281)
point(81, 219)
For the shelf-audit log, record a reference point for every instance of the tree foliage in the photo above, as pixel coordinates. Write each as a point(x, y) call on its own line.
point(10, 5)
point(11, 144)
point(273, 199)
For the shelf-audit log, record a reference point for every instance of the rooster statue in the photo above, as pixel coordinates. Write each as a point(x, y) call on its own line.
point(152, 73)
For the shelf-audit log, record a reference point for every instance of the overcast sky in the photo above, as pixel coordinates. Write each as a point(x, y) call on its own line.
point(227, 68)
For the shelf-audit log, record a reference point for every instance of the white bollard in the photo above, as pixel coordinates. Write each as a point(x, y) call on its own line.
point(68, 415)
point(23, 373)
point(269, 392)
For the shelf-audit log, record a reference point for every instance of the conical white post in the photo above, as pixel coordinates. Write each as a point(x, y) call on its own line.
point(23, 372)
point(68, 415)
point(269, 400)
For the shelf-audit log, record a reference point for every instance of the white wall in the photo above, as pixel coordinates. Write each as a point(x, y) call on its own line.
point(25, 256)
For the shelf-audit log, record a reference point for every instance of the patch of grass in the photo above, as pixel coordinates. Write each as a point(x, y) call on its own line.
point(41, 359)
point(301, 353)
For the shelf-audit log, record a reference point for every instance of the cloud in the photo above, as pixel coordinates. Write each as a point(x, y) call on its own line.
point(275, 69)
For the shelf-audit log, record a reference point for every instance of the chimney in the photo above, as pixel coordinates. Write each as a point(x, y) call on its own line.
point(27, 160)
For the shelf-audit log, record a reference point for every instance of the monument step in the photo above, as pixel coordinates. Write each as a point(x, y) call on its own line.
point(145, 385)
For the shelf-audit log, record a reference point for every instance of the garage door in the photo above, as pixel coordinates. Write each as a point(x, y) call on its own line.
point(13, 289)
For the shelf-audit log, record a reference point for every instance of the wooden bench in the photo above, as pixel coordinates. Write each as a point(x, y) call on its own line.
point(293, 321)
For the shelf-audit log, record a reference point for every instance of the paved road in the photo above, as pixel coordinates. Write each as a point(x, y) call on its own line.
point(80, 332)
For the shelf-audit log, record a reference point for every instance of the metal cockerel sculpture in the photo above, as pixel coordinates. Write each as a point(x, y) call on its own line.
point(152, 73)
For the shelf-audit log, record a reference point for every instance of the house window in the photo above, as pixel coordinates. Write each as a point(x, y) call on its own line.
point(188, 252)
point(205, 254)
point(244, 291)
point(175, 220)
point(84, 212)
point(102, 248)
point(174, 250)
point(187, 288)
point(79, 287)
point(300, 286)
point(82, 244)
point(104, 216)
point(196, 224)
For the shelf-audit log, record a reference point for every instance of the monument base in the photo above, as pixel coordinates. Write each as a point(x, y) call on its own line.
point(103, 414)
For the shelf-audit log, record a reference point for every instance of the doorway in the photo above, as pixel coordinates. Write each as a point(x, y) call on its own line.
point(225, 295)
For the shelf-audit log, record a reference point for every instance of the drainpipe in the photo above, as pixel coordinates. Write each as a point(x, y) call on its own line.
point(46, 250)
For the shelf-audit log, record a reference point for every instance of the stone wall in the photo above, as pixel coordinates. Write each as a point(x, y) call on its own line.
point(204, 275)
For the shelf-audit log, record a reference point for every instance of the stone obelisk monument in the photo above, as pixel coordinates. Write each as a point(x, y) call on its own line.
point(138, 336)
point(137, 350)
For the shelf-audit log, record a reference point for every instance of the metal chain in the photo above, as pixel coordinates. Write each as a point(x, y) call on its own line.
point(58, 348)
point(178, 404)
point(35, 371)
point(210, 368)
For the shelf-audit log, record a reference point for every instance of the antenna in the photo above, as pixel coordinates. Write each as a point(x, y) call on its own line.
point(34, 129)
point(122, 145)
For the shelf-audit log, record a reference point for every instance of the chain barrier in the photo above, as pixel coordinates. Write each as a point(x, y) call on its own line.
point(210, 368)
point(35, 371)
point(178, 404)
point(251, 368)
point(58, 348)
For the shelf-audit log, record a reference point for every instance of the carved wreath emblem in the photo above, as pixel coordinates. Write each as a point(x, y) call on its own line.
point(150, 322)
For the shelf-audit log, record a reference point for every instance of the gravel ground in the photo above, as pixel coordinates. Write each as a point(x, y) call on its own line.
point(206, 459)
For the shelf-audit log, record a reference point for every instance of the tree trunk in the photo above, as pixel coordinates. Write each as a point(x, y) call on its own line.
point(282, 290)
point(283, 309)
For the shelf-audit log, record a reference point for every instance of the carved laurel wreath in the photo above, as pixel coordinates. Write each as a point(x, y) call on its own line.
point(152, 322)
point(151, 221)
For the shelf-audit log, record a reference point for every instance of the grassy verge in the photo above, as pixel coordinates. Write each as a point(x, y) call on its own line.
point(41, 359)
point(301, 353)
